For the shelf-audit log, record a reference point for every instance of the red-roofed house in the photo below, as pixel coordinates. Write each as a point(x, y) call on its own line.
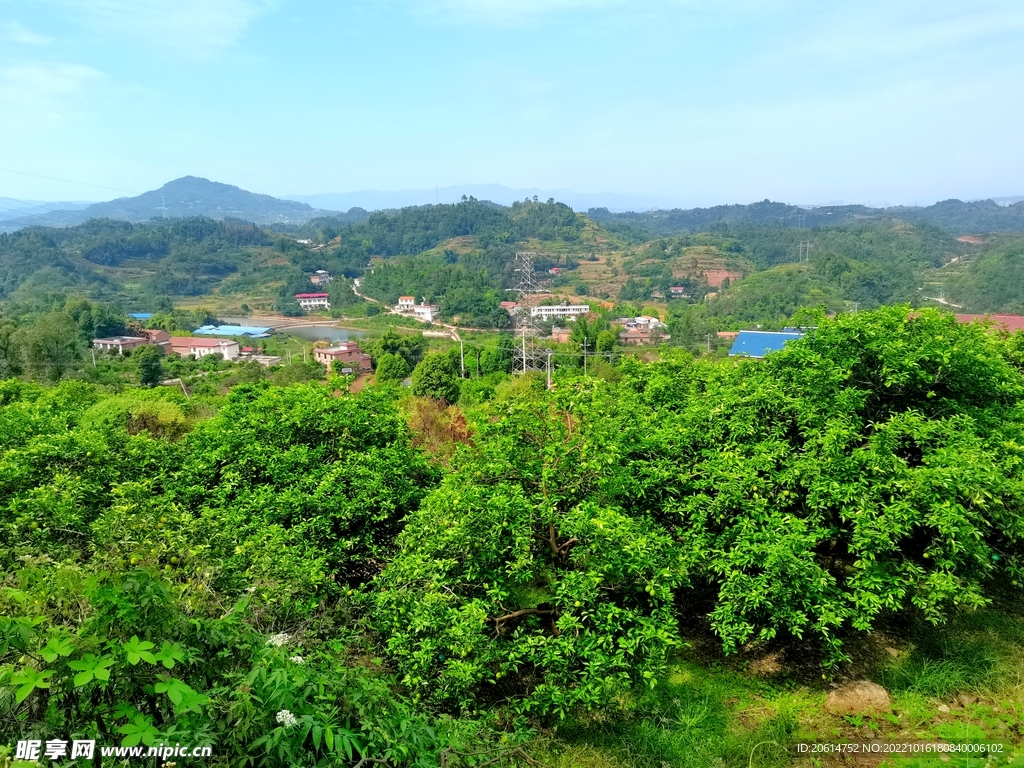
point(158, 338)
point(310, 301)
point(188, 345)
point(1011, 323)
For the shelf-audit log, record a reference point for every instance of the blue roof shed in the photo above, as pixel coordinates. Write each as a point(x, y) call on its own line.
point(760, 343)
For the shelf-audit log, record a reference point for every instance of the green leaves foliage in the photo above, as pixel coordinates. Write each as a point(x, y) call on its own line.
point(28, 680)
point(139, 650)
point(291, 581)
point(91, 667)
point(514, 582)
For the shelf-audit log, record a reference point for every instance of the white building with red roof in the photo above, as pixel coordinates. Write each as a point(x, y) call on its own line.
point(189, 345)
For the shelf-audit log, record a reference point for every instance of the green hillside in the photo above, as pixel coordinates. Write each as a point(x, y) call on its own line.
point(459, 256)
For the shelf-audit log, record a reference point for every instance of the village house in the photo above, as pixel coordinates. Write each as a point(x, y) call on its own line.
point(569, 311)
point(313, 301)
point(120, 344)
point(638, 337)
point(426, 312)
point(266, 360)
point(677, 292)
point(348, 355)
point(1009, 323)
point(158, 338)
point(560, 335)
point(321, 277)
point(422, 311)
point(509, 306)
point(189, 345)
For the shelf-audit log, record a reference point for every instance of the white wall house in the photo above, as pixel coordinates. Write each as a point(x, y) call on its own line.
point(560, 310)
point(189, 345)
point(406, 303)
point(312, 301)
point(426, 312)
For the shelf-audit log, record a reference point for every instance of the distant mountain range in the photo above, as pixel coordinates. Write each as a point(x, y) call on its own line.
point(187, 196)
point(950, 215)
point(193, 196)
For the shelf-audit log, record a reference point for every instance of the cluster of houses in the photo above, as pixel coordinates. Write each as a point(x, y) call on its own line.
point(352, 359)
point(426, 312)
point(640, 331)
point(174, 345)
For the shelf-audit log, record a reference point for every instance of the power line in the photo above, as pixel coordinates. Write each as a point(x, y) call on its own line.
point(31, 215)
point(81, 215)
point(67, 181)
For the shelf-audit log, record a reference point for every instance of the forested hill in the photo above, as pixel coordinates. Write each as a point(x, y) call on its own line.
point(459, 256)
point(185, 197)
point(951, 215)
point(139, 262)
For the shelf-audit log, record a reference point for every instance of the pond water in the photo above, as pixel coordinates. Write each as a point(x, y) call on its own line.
point(324, 332)
point(308, 333)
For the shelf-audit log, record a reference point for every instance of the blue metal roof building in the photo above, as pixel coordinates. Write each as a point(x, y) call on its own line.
point(141, 315)
point(760, 343)
point(234, 330)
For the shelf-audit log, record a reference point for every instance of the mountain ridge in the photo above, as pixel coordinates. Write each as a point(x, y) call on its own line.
point(180, 198)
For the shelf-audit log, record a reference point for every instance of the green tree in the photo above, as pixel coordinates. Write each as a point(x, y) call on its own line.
point(436, 377)
point(391, 368)
point(149, 360)
point(10, 352)
point(498, 359)
point(50, 346)
point(606, 341)
point(549, 599)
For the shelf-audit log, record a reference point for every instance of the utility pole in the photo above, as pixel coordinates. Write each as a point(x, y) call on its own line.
point(585, 344)
point(93, 350)
point(549, 369)
point(462, 359)
point(709, 343)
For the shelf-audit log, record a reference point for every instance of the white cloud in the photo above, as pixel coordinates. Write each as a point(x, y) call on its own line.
point(41, 84)
point(13, 32)
point(197, 27)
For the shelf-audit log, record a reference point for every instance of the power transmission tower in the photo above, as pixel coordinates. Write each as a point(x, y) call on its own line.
point(805, 251)
point(527, 356)
point(163, 208)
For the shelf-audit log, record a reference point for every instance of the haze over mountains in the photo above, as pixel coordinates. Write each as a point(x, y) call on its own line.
point(194, 196)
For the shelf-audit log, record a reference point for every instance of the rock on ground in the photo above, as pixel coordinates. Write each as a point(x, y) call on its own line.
point(861, 697)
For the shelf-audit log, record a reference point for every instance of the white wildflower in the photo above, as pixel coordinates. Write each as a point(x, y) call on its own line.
point(296, 660)
point(279, 639)
point(286, 718)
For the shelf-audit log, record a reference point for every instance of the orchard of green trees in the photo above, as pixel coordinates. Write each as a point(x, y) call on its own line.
point(297, 576)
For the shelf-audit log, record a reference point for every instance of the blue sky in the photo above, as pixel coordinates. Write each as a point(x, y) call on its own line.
point(696, 102)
